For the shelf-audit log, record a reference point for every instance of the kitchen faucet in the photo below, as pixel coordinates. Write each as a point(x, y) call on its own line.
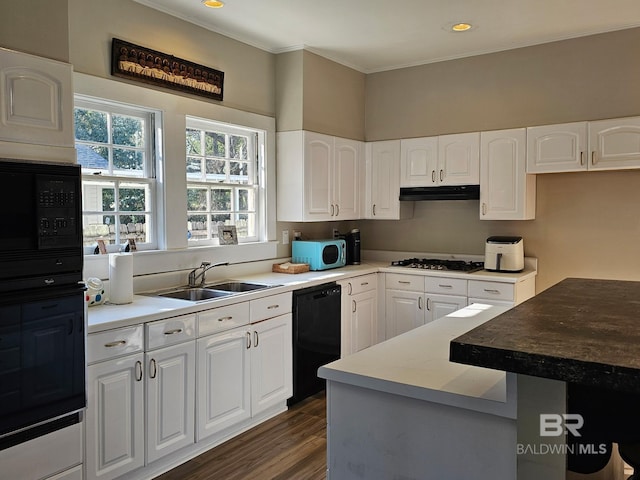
point(197, 279)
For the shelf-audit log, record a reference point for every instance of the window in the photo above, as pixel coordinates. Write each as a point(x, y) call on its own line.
point(115, 147)
point(223, 186)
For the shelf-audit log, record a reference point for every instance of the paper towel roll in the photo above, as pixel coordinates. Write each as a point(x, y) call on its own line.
point(120, 278)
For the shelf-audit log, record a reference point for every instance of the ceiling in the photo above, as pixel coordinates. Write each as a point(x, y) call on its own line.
point(378, 35)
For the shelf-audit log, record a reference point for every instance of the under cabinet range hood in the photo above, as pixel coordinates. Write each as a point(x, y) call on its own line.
point(449, 192)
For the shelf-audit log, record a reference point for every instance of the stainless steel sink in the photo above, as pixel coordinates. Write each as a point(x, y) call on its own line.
point(238, 286)
point(194, 294)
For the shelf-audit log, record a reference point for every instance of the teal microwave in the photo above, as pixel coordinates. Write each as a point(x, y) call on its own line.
point(320, 254)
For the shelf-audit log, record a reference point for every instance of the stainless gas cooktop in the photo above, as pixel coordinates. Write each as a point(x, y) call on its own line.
point(437, 264)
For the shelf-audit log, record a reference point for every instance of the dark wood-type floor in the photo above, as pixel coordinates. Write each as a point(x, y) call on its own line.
point(292, 445)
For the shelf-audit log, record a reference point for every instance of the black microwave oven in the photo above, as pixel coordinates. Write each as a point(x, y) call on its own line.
point(40, 224)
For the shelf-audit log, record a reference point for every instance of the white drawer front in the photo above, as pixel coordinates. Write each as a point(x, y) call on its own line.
point(491, 290)
point(360, 284)
point(398, 281)
point(445, 286)
point(170, 331)
point(269, 307)
point(114, 343)
point(223, 318)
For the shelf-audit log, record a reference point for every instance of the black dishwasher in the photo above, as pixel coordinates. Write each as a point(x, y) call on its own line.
point(316, 336)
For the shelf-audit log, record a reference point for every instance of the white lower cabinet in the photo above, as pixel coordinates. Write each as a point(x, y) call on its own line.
point(141, 396)
point(359, 311)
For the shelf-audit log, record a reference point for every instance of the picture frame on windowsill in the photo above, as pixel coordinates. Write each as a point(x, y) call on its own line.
point(227, 235)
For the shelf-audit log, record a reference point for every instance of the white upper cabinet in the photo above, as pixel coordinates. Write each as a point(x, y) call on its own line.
point(615, 144)
point(318, 177)
point(382, 190)
point(444, 160)
point(459, 159)
point(36, 103)
point(506, 191)
point(571, 147)
point(557, 148)
point(419, 162)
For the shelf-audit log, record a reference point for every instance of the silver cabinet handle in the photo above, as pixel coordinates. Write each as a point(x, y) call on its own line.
point(433, 176)
point(248, 340)
point(404, 282)
point(138, 371)
point(364, 284)
point(337, 210)
point(581, 158)
point(484, 208)
point(117, 343)
point(332, 210)
point(445, 286)
point(153, 368)
point(350, 288)
point(491, 290)
point(374, 209)
point(271, 307)
point(593, 157)
point(354, 307)
point(441, 175)
point(225, 319)
point(428, 304)
point(173, 332)
point(256, 338)
point(419, 303)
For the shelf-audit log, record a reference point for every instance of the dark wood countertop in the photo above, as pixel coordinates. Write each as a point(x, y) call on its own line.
point(580, 331)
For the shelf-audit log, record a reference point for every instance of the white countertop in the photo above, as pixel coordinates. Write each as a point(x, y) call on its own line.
point(146, 308)
point(416, 364)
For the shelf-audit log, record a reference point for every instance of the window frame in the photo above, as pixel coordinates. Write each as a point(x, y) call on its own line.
point(256, 159)
point(151, 166)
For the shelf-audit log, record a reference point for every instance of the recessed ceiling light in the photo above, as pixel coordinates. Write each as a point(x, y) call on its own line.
point(461, 27)
point(213, 3)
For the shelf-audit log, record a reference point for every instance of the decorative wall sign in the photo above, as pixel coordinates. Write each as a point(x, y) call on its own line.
point(150, 66)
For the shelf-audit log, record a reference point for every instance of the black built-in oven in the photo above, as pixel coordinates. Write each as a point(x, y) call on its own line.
point(42, 324)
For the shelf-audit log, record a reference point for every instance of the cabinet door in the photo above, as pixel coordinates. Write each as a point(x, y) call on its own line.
point(419, 162)
point(506, 191)
point(114, 421)
point(615, 144)
point(459, 159)
point(346, 179)
point(36, 105)
point(271, 363)
point(170, 399)
point(557, 148)
point(383, 184)
point(318, 160)
point(364, 320)
point(224, 389)
point(440, 305)
point(404, 311)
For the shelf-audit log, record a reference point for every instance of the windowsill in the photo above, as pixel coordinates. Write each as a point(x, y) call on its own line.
point(149, 262)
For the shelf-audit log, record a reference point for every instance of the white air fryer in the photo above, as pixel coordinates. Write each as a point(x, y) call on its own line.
point(504, 254)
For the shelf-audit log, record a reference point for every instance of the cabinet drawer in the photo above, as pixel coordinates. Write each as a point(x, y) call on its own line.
point(223, 318)
point(357, 285)
point(114, 343)
point(445, 286)
point(269, 307)
point(398, 281)
point(170, 331)
point(491, 290)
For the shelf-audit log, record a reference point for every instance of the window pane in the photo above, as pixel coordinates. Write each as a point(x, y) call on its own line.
point(197, 227)
point(197, 199)
point(128, 131)
point(194, 166)
point(131, 161)
point(219, 220)
point(133, 198)
point(93, 157)
point(246, 225)
point(221, 199)
point(238, 146)
point(239, 172)
point(133, 226)
point(246, 200)
point(91, 125)
point(214, 144)
point(194, 146)
point(108, 199)
point(215, 170)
